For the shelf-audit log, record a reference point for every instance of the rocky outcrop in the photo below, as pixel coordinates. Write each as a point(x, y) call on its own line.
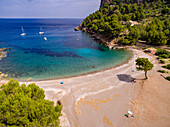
point(3, 49)
point(78, 28)
point(2, 75)
point(3, 52)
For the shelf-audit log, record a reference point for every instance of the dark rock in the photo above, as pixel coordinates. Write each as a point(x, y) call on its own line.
point(84, 29)
point(78, 28)
point(3, 49)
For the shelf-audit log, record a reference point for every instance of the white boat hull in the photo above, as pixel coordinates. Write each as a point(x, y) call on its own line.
point(23, 34)
point(41, 32)
point(45, 38)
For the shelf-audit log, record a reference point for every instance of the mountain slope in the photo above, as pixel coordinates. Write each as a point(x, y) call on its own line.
point(124, 23)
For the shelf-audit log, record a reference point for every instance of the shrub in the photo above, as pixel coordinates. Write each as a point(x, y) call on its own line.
point(168, 78)
point(162, 61)
point(159, 57)
point(163, 71)
point(164, 56)
point(161, 52)
point(124, 41)
point(167, 66)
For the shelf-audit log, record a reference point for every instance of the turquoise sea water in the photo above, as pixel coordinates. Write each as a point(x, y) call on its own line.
point(65, 53)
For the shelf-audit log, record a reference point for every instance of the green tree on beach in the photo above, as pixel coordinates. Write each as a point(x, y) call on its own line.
point(25, 106)
point(144, 65)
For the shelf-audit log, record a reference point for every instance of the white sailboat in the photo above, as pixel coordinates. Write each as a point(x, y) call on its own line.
point(23, 32)
point(45, 38)
point(41, 31)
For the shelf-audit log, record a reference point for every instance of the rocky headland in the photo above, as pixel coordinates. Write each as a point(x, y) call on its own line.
point(121, 23)
point(104, 40)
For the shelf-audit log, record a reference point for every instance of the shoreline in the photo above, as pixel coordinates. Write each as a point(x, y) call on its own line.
point(85, 74)
point(95, 99)
point(75, 90)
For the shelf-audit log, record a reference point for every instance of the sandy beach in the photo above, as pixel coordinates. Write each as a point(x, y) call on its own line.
point(102, 99)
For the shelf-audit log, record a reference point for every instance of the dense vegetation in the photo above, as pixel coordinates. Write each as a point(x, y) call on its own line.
point(162, 51)
point(25, 106)
point(113, 21)
point(167, 66)
point(163, 71)
point(168, 78)
point(162, 54)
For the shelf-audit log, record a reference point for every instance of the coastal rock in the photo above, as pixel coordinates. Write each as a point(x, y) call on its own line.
point(120, 47)
point(150, 50)
point(84, 29)
point(29, 79)
point(3, 49)
point(6, 75)
point(2, 75)
point(78, 28)
point(3, 52)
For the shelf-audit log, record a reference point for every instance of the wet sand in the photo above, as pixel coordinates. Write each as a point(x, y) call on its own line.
point(102, 99)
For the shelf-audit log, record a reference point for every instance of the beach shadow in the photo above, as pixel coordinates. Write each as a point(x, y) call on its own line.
point(125, 78)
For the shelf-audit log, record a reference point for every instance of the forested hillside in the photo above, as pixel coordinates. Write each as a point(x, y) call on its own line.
point(148, 21)
point(103, 2)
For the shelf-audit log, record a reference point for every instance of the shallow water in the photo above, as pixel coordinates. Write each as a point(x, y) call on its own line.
point(65, 53)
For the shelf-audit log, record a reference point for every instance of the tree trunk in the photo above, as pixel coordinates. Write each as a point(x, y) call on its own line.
point(146, 75)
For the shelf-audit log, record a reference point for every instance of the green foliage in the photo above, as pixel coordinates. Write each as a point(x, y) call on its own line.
point(162, 53)
point(162, 61)
point(164, 56)
point(145, 4)
point(106, 21)
point(22, 105)
point(165, 10)
point(154, 33)
point(167, 66)
point(168, 78)
point(144, 65)
point(159, 57)
point(163, 71)
point(124, 41)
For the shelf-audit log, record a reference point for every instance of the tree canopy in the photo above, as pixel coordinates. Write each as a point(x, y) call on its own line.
point(25, 106)
point(111, 20)
point(144, 65)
